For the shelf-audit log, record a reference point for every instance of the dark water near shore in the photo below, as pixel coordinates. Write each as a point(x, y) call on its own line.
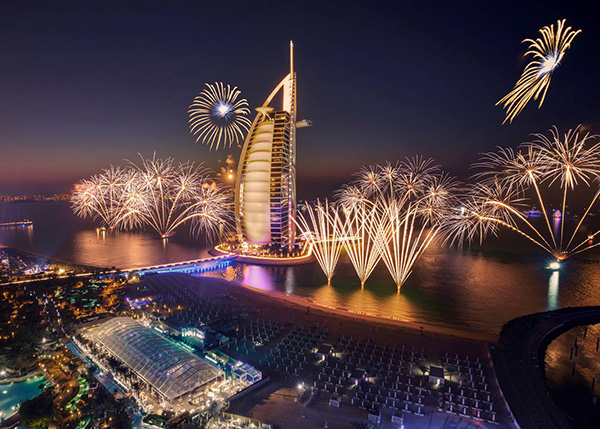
point(476, 289)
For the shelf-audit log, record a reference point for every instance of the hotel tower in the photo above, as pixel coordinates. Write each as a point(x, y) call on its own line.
point(265, 197)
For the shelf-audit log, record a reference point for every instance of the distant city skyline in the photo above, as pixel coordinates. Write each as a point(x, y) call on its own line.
point(89, 86)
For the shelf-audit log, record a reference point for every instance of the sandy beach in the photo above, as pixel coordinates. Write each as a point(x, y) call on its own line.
point(274, 305)
point(276, 404)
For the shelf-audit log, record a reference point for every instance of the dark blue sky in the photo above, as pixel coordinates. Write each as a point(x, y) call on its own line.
point(86, 84)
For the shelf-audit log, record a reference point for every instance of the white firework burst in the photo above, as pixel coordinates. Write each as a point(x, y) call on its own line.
point(218, 116)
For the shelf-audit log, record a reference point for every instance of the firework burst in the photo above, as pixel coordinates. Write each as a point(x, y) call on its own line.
point(170, 195)
point(218, 116)
point(546, 53)
point(394, 212)
point(543, 172)
point(105, 197)
point(157, 193)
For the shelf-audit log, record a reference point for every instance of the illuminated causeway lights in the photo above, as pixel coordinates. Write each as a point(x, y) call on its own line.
point(547, 168)
point(546, 53)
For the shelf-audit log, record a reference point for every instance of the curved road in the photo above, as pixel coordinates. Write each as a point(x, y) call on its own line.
point(519, 363)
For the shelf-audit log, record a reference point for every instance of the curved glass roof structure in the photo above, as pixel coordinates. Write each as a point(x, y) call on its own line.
point(171, 370)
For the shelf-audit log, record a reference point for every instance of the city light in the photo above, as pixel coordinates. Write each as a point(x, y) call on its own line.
point(555, 265)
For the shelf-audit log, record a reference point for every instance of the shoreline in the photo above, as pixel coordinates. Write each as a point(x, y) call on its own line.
point(302, 303)
point(265, 261)
point(50, 258)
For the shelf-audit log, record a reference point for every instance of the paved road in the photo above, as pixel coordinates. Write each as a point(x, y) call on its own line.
point(519, 363)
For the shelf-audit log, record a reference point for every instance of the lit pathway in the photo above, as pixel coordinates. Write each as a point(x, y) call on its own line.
point(519, 363)
point(196, 265)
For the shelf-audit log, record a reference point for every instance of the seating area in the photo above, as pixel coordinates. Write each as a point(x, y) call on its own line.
point(254, 335)
point(395, 379)
point(468, 393)
point(393, 375)
point(174, 290)
point(372, 376)
point(290, 354)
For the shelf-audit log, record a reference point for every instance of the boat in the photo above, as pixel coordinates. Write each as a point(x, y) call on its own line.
point(533, 213)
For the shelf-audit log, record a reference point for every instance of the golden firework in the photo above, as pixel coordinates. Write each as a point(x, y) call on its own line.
point(547, 51)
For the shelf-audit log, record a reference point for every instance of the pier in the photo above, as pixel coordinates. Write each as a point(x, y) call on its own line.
point(24, 222)
point(189, 267)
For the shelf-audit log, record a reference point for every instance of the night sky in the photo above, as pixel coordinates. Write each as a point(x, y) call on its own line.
point(87, 84)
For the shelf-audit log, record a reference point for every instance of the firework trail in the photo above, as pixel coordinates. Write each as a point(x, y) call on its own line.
point(362, 232)
point(546, 53)
point(394, 212)
point(322, 229)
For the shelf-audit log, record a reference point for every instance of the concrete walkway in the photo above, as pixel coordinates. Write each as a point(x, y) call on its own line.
point(519, 363)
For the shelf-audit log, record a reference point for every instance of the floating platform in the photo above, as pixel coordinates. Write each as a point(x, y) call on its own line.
point(265, 260)
point(24, 222)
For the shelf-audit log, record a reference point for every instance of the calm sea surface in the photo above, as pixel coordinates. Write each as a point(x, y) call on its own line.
point(475, 289)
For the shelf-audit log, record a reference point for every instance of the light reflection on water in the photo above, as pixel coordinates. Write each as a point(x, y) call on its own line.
point(14, 393)
point(59, 234)
point(553, 289)
point(477, 289)
point(458, 289)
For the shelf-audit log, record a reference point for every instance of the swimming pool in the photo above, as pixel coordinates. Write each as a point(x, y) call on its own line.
point(13, 394)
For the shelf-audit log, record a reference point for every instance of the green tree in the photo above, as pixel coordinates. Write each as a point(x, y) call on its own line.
point(37, 413)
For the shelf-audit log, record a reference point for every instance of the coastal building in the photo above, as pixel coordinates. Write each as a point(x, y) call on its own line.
point(265, 197)
point(170, 370)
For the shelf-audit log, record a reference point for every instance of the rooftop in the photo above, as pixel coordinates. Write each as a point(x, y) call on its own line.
point(171, 370)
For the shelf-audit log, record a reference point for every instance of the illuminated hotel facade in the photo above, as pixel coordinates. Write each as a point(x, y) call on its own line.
point(265, 197)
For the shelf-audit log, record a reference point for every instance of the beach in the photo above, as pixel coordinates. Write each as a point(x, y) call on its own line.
point(275, 305)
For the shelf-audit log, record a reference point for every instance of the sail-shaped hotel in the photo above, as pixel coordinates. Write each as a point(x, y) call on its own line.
point(265, 197)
